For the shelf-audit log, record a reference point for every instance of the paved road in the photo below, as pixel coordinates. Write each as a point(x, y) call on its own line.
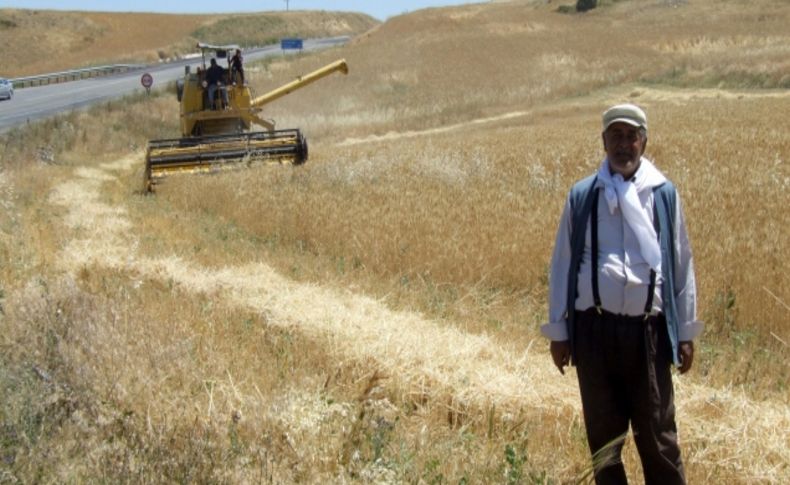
point(31, 104)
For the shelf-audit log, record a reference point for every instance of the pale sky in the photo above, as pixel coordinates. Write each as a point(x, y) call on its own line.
point(380, 10)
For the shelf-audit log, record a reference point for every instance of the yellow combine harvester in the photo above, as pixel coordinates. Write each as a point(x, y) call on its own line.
point(219, 137)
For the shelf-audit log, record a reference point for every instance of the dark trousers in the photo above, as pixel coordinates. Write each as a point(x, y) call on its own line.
point(623, 364)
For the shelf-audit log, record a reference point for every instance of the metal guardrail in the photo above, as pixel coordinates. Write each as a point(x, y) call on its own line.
point(72, 75)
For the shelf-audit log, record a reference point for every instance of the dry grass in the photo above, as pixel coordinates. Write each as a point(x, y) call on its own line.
point(440, 67)
point(261, 29)
point(41, 41)
point(226, 318)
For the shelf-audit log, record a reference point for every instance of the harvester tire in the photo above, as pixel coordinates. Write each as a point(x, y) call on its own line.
point(302, 151)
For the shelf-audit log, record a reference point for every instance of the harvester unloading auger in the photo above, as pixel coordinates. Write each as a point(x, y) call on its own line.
point(219, 137)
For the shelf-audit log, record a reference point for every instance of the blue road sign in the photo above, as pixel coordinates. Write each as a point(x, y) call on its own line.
point(291, 44)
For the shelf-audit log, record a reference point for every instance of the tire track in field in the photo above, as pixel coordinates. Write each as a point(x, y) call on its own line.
point(720, 427)
point(612, 95)
point(432, 131)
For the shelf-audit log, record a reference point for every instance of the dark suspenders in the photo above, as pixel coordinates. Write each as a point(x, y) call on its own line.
point(594, 250)
point(594, 258)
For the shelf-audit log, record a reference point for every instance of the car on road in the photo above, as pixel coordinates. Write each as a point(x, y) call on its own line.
point(6, 89)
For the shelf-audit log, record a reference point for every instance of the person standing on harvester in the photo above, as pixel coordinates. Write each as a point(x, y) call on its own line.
point(237, 68)
point(622, 303)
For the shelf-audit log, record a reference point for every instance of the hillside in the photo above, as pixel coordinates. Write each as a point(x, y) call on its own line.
point(372, 316)
point(40, 41)
point(441, 66)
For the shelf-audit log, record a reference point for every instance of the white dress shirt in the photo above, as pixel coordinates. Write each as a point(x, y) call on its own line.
point(623, 274)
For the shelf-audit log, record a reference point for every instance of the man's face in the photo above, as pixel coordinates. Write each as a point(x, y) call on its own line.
point(624, 145)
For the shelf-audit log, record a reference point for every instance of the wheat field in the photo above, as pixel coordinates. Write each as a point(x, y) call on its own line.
point(372, 316)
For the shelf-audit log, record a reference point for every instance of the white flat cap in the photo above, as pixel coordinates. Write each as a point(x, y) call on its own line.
point(625, 113)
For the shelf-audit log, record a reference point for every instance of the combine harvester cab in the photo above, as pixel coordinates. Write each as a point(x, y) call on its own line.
point(219, 137)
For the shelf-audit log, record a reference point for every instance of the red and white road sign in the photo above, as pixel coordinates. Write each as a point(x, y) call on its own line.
point(147, 80)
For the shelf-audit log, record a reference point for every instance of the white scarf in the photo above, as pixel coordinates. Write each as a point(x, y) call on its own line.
point(626, 194)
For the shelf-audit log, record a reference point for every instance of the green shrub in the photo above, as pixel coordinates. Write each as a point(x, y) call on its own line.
point(585, 5)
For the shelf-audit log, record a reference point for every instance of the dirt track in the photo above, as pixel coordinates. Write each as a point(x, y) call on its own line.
point(472, 368)
point(641, 93)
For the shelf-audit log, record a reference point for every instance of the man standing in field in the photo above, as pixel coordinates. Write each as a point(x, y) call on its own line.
point(622, 304)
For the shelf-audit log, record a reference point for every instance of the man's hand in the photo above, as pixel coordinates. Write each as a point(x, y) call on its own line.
point(686, 354)
point(561, 353)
